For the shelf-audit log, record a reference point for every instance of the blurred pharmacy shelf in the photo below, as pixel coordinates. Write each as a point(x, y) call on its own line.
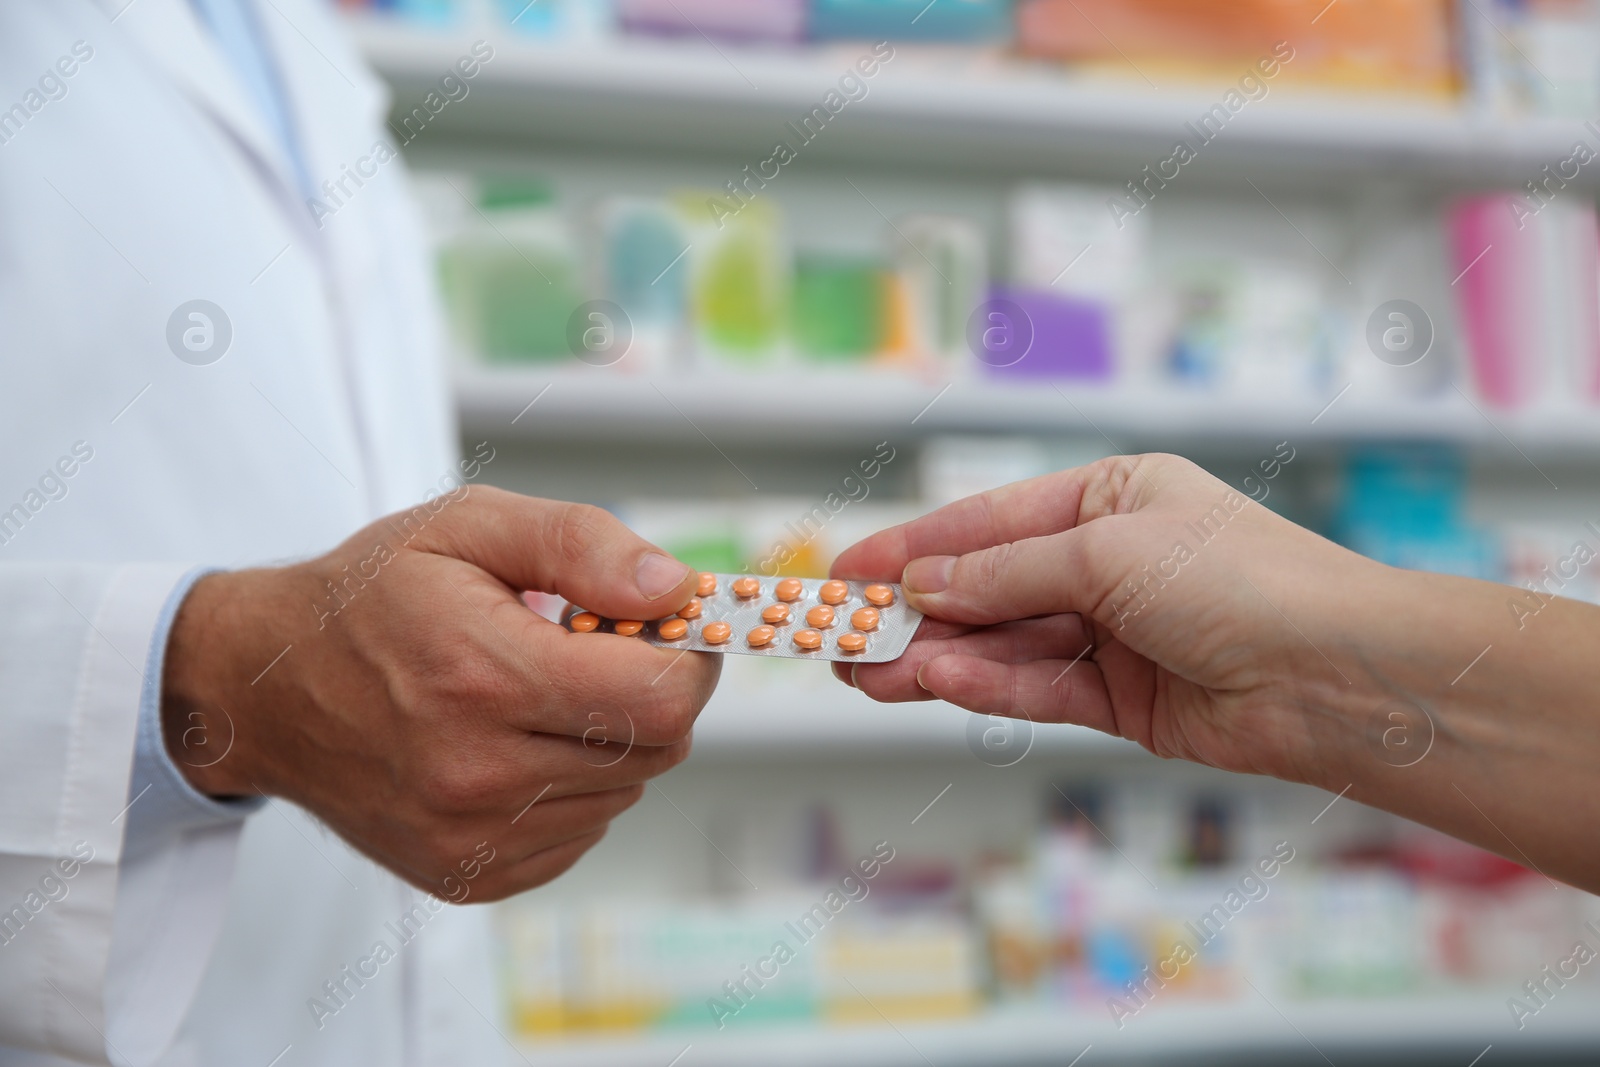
point(1296, 1032)
point(975, 110)
point(496, 401)
point(812, 714)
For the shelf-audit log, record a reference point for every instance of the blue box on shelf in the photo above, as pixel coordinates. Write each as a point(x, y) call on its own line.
point(912, 20)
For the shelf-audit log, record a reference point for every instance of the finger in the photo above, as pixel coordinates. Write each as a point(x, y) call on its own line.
point(604, 687)
point(576, 551)
point(539, 868)
point(1041, 691)
point(550, 823)
point(552, 681)
point(1049, 638)
point(549, 768)
point(1076, 570)
point(1033, 508)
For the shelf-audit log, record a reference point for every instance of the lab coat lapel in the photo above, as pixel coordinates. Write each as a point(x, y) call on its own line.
point(171, 35)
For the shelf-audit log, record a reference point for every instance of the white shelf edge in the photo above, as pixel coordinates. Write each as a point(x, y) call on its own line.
point(937, 94)
point(1184, 1032)
point(666, 407)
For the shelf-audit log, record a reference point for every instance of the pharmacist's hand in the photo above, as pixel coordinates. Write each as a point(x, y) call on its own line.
point(419, 708)
point(1139, 596)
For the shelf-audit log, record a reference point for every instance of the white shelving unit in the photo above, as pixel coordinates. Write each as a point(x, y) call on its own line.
point(932, 111)
point(683, 407)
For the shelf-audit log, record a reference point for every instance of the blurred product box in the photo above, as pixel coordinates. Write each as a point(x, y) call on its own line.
point(969, 21)
point(735, 20)
point(1533, 55)
point(1529, 276)
point(1126, 900)
point(842, 308)
point(1397, 46)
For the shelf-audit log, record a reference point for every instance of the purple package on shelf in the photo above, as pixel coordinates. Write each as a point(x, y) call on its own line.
point(735, 20)
point(1027, 333)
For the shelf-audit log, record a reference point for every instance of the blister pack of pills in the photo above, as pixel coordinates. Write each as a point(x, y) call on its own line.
point(788, 618)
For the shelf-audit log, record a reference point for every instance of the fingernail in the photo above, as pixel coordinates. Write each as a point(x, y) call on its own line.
point(930, 574)
point(920, 682)
point(659, 575)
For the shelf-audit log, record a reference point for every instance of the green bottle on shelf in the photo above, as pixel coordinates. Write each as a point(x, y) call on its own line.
point(740, 283)
point(512, 275)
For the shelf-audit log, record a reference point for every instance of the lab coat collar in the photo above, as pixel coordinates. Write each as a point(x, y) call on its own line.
point(170, 34)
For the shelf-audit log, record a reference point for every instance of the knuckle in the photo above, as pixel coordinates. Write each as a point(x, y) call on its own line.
point(578, 529)
point(991, 567)
point(455, 787)
point(626, 797)
point(666, 718)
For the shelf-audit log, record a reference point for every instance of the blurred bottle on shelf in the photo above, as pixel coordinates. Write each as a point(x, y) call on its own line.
point(644, 267)
point(510, 274)
point(941, 275)
point(740, 279)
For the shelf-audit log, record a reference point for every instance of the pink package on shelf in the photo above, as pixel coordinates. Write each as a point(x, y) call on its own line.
point(738, 20)
point(1528, 288)
point(1495, 263)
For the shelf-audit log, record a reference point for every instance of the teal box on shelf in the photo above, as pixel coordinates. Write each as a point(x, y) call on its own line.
point(912, 20)
point(1405, 506)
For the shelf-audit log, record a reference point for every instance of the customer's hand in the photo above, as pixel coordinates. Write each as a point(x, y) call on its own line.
point(417, 706)
point(1142, 597)
point(1139, 596)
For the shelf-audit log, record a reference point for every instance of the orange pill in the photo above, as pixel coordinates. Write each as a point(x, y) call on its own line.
point(834, 592)
point(584, 621)
point(708, 584)
point(761, 636)
point(776, 614)
point(789, 590)
point(716, 633)
point(807, 640)
point(865, 619)
point(672, 629)
point(879, 596)
point(691, 610)
point(746, 587)
point(820, 616)
point(628, 627)
point(852, 642)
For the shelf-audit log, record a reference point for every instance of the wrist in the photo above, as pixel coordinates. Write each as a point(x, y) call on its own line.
point(1428, 694)
point(203, 709)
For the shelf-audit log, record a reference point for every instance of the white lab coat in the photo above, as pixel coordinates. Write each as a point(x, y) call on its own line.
point(151, 182)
